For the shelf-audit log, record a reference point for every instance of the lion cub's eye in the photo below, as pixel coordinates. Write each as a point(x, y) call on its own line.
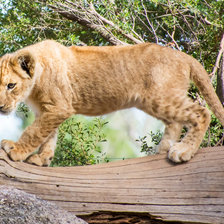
point(11, 85)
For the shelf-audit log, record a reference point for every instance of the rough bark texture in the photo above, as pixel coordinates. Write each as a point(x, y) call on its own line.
point(220, 81)
point(219, 68)
point(19, 207)
point(151, 187)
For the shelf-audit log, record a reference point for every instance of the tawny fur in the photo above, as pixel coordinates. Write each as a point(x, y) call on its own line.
point(59, 81)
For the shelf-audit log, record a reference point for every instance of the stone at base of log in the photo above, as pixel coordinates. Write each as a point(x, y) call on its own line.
point(19, 207)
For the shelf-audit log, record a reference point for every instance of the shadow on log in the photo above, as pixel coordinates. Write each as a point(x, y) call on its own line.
point(153, 186)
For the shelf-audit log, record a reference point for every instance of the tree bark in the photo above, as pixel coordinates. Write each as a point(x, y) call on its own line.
point(220, 81)
point(153, 186)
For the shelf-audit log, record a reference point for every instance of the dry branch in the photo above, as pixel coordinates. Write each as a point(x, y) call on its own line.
point(88, 17)
point(189, 192)
point(111, 24)
point(218, 58)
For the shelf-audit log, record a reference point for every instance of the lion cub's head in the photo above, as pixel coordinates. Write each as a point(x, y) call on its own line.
point(16, 79)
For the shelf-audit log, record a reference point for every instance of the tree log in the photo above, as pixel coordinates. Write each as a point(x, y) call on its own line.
point(187, 192)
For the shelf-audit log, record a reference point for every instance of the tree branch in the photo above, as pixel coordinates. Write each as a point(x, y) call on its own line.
point(218, 58)
point(220, 82)
point(110, 23)
point(89, 24)
point(150, 24)
point(88, 17)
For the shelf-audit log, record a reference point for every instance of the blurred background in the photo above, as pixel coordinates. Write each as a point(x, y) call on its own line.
point(120, 133)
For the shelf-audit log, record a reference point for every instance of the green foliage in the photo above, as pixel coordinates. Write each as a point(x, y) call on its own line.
point(23, 109)
point(78, 142)
point(214, 135)
point(25, 114)
point(23, 23)
point(194, 26)
point(155, 138)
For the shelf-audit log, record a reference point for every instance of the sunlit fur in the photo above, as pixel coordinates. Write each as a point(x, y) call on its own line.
point(59, 81)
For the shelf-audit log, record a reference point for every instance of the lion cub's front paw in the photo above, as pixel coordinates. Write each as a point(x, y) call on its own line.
point(7, 145)
point(181, 152)
point(35, 160)
point(13, 151)
point(40, 159)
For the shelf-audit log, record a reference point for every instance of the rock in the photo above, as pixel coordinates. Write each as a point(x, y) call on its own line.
point(20, 207)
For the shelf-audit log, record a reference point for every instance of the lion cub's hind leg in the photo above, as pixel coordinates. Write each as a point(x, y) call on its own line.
point(178, 112)
point(171, 135)
point(196, 118)
point(45, 153)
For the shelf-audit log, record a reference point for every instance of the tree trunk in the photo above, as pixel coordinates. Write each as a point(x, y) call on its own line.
point(220, 81)
point(143, 187)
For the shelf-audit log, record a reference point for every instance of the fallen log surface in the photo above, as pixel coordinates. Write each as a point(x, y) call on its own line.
point(187, 192)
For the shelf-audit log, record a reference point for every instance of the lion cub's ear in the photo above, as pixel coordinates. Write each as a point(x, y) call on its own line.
point(27, 62)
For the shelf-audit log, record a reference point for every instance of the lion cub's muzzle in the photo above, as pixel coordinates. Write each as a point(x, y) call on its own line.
point(4, 110)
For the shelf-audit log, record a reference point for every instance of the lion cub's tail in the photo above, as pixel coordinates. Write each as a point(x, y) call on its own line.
point(202, 81)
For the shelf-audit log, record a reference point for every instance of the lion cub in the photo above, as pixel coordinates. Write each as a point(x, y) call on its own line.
point(58, 81)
